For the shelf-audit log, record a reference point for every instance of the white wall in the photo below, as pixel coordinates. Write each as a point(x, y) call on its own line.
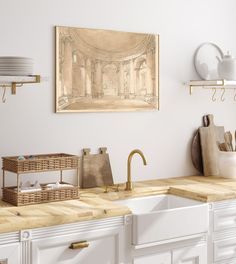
point(29, 124)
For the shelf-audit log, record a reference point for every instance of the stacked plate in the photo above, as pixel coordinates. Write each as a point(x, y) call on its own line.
point(16, 66)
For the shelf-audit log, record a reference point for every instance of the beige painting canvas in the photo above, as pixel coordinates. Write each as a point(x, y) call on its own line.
point(104, 70)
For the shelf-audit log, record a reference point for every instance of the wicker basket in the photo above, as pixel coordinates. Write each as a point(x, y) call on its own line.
point(10, 195)
point(37, 163)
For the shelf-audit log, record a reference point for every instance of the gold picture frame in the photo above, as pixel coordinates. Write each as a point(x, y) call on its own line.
point(105, 70)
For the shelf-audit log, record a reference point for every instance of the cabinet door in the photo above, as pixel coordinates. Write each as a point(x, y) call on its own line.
point(160, 258)
point(103, 248)
point(190, 255)
point(10, 254)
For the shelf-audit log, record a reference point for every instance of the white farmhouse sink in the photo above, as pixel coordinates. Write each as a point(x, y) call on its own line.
point(161, 217)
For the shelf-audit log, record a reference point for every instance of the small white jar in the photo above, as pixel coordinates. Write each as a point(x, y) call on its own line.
point(227, 164)
point(227, 67)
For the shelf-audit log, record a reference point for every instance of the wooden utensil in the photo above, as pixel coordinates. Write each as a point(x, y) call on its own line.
point(231, 141)
point(228, 140)
point(96, 169)
point(208, 138)
point(235, 140)
point(223, 147)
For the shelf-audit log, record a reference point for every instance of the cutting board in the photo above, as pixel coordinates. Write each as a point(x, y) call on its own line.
point(96, 169)
point(196, 151)
point(208, 138)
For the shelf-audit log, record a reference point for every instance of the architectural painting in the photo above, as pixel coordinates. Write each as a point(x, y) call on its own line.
point(103, 70)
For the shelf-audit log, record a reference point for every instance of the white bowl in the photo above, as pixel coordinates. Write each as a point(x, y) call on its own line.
point(227, 164)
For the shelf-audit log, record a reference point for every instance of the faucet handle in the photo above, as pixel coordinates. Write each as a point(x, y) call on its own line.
point(106, 189)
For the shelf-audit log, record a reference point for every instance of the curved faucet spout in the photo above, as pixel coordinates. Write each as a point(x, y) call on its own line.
point(135, 151)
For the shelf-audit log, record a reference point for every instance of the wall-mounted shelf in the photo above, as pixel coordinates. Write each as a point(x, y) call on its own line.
point(213, 85)
point(17, 81)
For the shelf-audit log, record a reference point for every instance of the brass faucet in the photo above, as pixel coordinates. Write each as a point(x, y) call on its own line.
point(129, 183)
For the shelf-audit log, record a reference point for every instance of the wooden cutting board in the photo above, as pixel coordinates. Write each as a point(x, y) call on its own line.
point(96, 169)
point(196, 151)
point(208, 138)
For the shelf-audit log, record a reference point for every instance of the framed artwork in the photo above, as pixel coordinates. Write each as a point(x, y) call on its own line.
point(104, 70)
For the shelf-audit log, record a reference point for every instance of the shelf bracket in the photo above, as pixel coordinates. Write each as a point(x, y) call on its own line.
point(190, 89)
point(14, 85)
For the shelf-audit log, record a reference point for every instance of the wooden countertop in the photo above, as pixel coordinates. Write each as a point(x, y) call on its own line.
point(95, 204)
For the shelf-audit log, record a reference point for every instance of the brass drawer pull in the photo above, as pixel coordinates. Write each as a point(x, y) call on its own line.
point(79, 245)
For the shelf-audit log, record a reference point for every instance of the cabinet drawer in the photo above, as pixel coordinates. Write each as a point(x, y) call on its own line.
point(10, 254)
point(224, 249)
point(190, 255)
point(160, 258)
point(224, 219)
point(85, 248)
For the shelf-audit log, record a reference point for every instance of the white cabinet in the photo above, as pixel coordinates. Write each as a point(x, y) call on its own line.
point(10, 253)
point(190, 255)
point(10, 248)
point(94, 247)
point(222, 233)
point(160, 258)
point(184, 250)
point(97, 241)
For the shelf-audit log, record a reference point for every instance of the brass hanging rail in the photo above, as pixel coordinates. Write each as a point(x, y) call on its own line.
point(17, 81)
point(213, 85)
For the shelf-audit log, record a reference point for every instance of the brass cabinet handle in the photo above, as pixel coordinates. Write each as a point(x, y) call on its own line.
point(79, 245)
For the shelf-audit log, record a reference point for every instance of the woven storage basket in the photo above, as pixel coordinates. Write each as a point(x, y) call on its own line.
point(10, 195)
point(37, 163)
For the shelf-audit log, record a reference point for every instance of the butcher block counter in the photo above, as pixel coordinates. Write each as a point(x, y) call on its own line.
point(96, 204)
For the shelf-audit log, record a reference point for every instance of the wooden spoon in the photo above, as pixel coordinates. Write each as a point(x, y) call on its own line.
point(231, 141)
point(224, 147)
point(228, 140)
point(235, 140)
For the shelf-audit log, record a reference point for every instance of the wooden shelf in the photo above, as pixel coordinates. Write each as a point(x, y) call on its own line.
point(211, 84)
point(17, 81)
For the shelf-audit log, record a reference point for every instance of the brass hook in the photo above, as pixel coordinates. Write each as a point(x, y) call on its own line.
point(222, 95)
point(4, 94)
point(213, 96)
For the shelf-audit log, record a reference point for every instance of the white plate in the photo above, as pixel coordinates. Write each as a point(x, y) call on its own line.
point(205, 61)
point(8, 58)
point(15, 62)
point(15, 68)
point(12, 73)
point(16, 65)
point(15, 74)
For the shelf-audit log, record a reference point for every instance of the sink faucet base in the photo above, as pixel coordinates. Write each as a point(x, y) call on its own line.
point(128, 186)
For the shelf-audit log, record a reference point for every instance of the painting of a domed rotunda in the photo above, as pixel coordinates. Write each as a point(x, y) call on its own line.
point(104, 70)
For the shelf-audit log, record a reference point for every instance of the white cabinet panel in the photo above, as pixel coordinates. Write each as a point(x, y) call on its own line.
point(160, 258)
point(10, 254)
point(224, 219)
point(190, 255)
point(224, 249)
point(103, 249)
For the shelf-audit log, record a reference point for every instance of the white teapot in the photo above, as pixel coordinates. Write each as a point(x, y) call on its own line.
point(227, 67)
